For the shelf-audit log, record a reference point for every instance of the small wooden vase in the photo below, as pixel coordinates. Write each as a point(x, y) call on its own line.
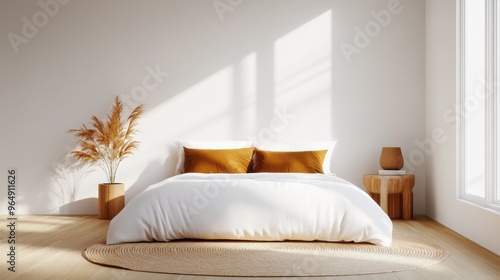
point(391, 158)
point(111, 200)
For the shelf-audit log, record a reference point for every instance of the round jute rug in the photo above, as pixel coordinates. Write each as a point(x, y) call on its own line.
point(242, 258)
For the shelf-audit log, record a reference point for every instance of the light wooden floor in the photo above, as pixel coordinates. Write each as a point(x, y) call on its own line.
point(50, 247)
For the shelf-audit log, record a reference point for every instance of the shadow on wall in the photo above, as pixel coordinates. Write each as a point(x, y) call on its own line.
point(152, 172)
point(69, 175)
point(80, 207)
point(66, 181)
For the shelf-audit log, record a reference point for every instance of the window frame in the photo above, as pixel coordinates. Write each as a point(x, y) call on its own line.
point(491, 200)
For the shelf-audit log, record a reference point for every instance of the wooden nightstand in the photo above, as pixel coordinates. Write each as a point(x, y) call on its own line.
point(386, 185)
point(111, 200)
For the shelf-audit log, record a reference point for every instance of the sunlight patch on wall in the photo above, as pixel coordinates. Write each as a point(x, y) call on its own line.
point(221, 106)
point(200, 111)
point(303, 75)
point(244, 111)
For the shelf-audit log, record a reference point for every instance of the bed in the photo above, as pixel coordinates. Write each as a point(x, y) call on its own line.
point(253, 195)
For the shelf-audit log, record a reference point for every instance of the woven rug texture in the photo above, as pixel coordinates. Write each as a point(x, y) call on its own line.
point(267, 259)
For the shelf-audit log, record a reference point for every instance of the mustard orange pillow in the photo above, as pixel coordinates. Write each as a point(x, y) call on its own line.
point(218, 161)
point(296, 161)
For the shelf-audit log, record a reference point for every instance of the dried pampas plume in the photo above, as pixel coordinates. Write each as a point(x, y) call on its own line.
point(106, 144)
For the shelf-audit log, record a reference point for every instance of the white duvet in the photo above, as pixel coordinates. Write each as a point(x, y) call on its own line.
point(254, 206)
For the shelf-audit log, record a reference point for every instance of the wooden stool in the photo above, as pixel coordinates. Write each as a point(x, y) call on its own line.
point(394, 184)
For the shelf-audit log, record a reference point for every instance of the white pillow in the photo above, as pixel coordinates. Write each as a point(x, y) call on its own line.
point(224, 144)
point(304, 146)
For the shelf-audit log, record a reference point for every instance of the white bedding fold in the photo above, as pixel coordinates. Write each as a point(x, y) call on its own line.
point(254, 206)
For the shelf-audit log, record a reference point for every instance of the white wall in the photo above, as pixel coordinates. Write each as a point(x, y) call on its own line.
point(479, 225)
point(226, 75)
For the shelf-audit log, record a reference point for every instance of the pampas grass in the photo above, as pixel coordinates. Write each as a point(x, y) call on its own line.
point(106, 143)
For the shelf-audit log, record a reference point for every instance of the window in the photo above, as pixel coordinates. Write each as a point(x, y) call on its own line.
point(478, 131)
